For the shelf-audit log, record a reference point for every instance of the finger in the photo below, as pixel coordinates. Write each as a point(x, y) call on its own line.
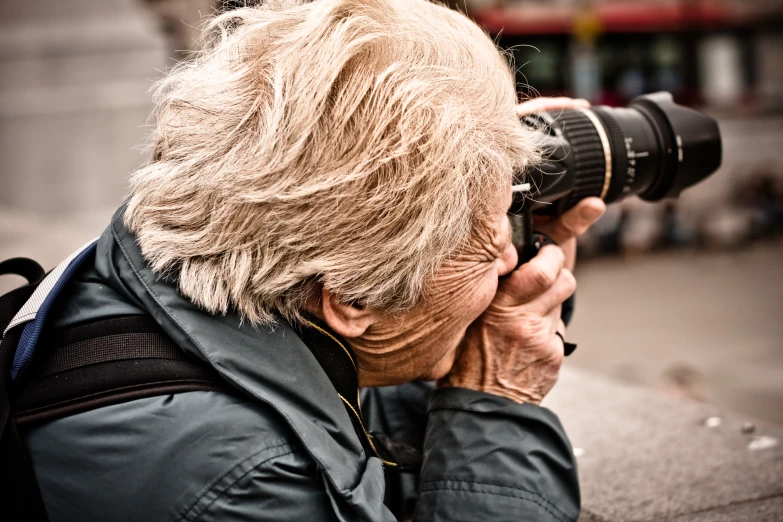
point(554, 296)
point(574, 222)
point(548, 104)
point(532, 278)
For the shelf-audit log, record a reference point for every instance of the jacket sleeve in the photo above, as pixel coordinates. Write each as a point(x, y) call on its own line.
point(486, 457)
point(489, 458)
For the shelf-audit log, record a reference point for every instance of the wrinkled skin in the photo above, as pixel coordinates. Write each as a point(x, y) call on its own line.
point(422, 342)
point(482, 325)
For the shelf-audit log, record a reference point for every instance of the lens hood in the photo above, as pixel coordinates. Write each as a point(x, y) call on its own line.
point(691, 144)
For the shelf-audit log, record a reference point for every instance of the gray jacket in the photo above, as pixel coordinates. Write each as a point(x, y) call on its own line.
point(284, 448)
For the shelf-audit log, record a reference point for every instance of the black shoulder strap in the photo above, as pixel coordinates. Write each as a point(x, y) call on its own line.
point(25, 267)
point(11, 302)
point(114, 360)
point(79, 369)
point(106, 362)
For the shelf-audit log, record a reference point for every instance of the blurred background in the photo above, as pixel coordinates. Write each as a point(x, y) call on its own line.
point(684, 296)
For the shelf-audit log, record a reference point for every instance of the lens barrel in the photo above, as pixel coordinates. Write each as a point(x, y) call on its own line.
point(653, 148)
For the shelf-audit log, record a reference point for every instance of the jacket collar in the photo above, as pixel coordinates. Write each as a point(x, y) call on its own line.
point(274, 366)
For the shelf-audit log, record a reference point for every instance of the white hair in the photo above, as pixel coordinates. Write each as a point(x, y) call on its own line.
point(346, 144)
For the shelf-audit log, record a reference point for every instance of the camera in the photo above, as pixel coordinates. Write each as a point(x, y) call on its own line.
point(653, 148)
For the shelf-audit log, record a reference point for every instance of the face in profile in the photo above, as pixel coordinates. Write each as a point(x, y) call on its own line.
point(421, 343)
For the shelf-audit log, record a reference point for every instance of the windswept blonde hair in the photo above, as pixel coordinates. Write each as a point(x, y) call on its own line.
point(352, 144)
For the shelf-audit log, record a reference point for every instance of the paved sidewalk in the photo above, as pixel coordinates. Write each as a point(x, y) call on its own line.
point(708, 325)
point(647, 457)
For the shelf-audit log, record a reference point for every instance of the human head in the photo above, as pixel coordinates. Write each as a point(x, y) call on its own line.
point(341, 145)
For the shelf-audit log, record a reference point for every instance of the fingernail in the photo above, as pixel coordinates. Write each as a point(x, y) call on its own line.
point(582, 103)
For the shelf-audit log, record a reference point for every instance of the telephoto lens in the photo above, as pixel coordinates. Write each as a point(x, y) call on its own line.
point(653, 148)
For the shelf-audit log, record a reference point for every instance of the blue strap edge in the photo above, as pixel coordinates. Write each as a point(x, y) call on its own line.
point(32, 330)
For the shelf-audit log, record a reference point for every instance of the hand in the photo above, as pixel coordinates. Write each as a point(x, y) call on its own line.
point(512, 349)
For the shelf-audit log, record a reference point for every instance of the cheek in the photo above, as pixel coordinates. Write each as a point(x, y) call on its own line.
point(423, 342)
point(475, 295)
point(482, 297)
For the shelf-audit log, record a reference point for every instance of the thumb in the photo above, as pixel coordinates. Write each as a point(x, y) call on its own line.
point(532, 278)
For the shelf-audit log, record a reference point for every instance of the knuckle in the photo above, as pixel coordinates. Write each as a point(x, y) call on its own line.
point(569, 281)
point(542, 275)
point(570, 227)
point(558, 254)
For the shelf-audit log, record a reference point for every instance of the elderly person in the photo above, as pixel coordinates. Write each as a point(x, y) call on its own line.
point(334, 173)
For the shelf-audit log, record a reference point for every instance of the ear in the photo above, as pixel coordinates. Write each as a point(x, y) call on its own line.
point(348, 320)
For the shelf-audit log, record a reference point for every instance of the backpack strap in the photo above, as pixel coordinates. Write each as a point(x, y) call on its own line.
point(25, 267)
point(105, 362)
point(33, 313)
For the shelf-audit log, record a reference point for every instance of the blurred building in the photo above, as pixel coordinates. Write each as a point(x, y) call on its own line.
point(74, 76)
point(723, 56)
point(722, 53)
